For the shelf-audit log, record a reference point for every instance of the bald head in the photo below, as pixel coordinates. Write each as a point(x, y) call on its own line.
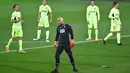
point(60, 20)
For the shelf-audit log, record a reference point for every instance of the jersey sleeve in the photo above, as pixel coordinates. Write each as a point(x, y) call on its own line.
point(87, 14)
point(71, 31)
point(111, 14)
point(57, 35)
point(49, 9)
point(40, 9)
point(98, 13)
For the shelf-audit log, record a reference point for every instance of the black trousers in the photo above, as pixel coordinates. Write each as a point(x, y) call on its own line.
point(67, 50)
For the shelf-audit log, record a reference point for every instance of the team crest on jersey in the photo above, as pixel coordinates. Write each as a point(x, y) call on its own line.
point(64, 26)
point(62, 30)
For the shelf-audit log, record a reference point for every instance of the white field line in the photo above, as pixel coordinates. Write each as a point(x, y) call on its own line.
point(24, 42)
point(48, 46)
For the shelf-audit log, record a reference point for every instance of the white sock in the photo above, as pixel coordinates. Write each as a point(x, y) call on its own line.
point(96, 33)
point(10, 41)
point(118, 37)
point(20, 45)
point(108, 36)
point(47, 34)
point(38, 33)
point(89, 33)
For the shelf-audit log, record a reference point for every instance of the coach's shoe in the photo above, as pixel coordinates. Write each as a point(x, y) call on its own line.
point(7, 49)
point(89, 39)
point(75, 70)
point(96, 38)
point(103, 42)
point(54, 71)
point(47, 41)
point(22, 51)
point(120, 44)
point(36, 39)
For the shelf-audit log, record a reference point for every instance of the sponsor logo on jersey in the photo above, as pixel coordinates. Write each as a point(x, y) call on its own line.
point(62, 30)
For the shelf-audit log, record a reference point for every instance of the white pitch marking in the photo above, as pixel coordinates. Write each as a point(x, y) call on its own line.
point(52, 45)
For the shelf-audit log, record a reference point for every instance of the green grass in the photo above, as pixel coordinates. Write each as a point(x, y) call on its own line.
point(89, 56)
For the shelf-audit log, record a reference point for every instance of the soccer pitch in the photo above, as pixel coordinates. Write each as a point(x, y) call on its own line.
point(89, 55)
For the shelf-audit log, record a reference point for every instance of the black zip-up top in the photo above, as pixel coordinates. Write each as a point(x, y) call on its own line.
point(62, 34)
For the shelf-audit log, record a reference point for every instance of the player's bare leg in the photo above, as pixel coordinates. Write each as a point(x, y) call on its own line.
point(47, 34)
point(89, 34)
point(20, 45)
point(38, 34)
point(8, 45)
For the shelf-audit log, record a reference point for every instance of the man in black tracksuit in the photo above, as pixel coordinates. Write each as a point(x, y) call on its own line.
point(64, 42)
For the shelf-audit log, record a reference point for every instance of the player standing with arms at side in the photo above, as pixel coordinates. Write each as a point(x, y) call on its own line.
point(93, 18)
point(62, 42)
point(44, 9)
point(17, 31)
point(116, 25)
